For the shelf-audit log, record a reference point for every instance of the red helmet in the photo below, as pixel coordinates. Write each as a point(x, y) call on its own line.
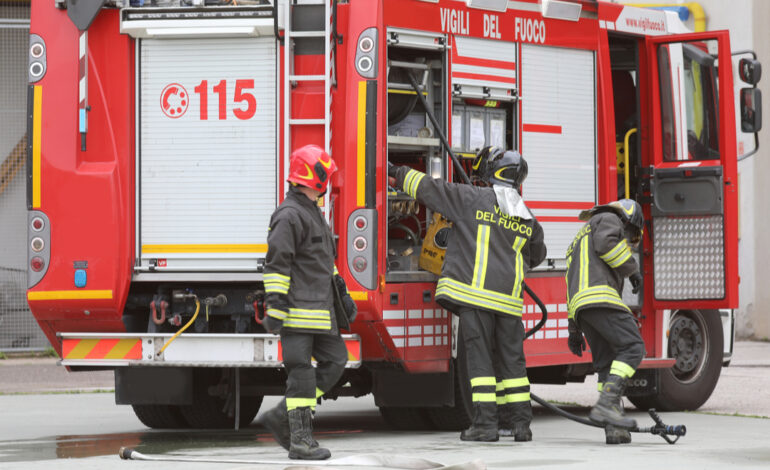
point(311, 166)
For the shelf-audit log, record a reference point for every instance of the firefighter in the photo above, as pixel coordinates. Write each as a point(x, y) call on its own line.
point(299, 276)
point(505, 411)
point(598, 260)
point(495, 239)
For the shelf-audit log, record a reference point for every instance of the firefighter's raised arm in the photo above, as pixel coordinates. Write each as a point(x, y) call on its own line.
point(611, 245)
point(536, 244)
point(438, 195)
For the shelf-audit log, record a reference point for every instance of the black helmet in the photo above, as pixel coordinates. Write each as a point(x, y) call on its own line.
point(508, 169)
point(629, 211)
point(481, 162)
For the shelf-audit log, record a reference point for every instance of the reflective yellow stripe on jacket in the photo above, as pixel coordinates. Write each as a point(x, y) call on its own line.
point(478, 297)
point(276, 283)
point(312, 319)
point(618, 255)
point(595, 295)
point(482, 255)
point(412, 181)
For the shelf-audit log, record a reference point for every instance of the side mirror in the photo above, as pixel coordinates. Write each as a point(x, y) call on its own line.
point(750, 71)
point(751, 109)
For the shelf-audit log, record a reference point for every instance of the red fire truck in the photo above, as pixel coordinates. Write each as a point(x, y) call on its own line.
point(160, 133)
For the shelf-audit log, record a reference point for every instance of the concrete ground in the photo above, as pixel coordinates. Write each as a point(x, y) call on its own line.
point(85, 430)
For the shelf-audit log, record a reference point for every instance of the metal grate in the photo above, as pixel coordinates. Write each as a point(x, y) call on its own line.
point(18, 329)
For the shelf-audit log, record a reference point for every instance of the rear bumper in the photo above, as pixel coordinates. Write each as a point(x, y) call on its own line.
point(187, 350)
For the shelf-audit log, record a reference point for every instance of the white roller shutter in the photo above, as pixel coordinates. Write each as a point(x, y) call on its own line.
point(558, 99)
point(483, 68)
point(207, 183)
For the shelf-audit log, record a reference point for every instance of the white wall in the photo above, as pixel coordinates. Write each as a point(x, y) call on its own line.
point(759, 314)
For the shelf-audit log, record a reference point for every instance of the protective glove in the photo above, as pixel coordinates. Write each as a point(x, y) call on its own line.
point(272, 324)
point(392, 170)
point(351, 309)
point(636, 282)
point(576, 342)
point(279, 302)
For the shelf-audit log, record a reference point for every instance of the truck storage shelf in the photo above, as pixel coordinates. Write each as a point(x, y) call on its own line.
point(410, 276)
point(399, 142)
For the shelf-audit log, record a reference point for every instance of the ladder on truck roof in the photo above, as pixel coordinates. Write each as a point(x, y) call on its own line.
point(289, 77)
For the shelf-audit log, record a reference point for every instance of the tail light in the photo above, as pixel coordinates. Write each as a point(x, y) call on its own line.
point(366, 53)
point(359, 243)
point(362, 247)
point(37, 58)
point(36, 264)
point(38, 246)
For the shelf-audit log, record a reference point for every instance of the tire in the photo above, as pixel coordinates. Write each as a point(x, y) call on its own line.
point(160, 416)
point(215, 412)
point(697, 342)
point(407, 418)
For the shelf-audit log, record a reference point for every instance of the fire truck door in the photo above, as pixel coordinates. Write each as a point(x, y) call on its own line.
point(692, 152)
point(206, 163)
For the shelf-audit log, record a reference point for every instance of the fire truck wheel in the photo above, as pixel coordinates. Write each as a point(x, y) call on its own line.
point(211, 411)
point(409, 418)
point(160, 416)
point(697, 342)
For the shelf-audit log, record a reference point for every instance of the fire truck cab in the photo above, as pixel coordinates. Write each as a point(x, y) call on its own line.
point(160, 137)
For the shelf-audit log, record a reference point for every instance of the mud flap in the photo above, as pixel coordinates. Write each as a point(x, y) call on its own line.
point(643, 383)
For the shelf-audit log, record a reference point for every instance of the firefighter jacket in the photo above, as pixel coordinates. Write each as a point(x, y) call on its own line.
point(597, 261)
point(488, 251)
point(299, 268)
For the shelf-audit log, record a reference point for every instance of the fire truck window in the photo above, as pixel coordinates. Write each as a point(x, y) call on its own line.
point(701, 98)
point(668, 120)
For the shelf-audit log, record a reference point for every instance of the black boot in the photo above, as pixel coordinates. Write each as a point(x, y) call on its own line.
point(615, 435)
point(521, 432)
point(276, 421)
point(303, 446)
point(505, 420)
point(484, 425)
point(608, 409)
point(522, 416)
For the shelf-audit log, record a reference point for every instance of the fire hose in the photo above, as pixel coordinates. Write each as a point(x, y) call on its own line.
point(364, 460)
point(659, 428)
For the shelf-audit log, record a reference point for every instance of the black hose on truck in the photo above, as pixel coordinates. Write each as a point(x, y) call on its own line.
point(660, 428)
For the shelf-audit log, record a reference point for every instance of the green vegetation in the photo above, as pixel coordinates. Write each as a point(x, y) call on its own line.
point(736, 414)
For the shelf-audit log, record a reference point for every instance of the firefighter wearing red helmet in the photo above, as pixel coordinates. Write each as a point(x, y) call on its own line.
point(495, 240)
point(597, 261)
point(300, 278)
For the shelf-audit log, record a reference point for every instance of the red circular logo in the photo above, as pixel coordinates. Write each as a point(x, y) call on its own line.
point(174, 100)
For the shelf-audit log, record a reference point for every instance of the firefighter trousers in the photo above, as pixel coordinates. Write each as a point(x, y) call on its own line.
point(494, 354)
point(305, 383)
point(616, 345)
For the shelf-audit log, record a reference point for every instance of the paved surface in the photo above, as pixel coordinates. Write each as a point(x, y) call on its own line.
point(85, 431)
